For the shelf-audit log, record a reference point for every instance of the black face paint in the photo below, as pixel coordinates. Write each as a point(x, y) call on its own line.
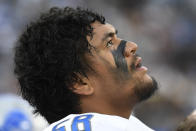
point(119, 58)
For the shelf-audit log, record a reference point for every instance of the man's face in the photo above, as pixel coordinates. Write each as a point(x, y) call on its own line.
point(119, 77)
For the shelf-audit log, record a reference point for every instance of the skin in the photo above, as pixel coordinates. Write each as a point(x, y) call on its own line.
point(112, 89)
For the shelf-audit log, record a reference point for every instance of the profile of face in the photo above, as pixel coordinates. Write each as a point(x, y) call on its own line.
point(120, 76)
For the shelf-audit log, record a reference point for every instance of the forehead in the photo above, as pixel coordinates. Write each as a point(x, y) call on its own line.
point(98, 27)
point(102, 28)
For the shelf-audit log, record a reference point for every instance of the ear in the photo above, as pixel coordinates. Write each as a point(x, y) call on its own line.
point(83, 88)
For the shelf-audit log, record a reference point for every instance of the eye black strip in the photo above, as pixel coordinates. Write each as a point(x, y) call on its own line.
point(119, 58)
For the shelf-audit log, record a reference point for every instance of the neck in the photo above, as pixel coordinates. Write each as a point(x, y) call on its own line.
point(97, 106)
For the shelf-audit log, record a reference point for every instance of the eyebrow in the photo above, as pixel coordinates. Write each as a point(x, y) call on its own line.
point(109, 34)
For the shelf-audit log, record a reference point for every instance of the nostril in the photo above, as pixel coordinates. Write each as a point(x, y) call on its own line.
point(129, 52)
point(133, 52)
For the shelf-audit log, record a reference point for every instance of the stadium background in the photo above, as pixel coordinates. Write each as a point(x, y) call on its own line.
point(164, 30)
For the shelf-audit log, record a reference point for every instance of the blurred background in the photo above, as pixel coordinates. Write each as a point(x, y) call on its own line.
point(164, 31)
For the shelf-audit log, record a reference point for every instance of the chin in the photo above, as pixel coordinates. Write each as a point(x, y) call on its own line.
point(145, 88)
point(148, 78)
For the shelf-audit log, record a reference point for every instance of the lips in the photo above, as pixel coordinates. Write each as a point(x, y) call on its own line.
point(138, 63)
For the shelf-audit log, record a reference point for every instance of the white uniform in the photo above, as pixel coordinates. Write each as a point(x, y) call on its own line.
point(97, 122)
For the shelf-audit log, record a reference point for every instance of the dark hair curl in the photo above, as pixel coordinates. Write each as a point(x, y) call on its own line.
point(49, 55)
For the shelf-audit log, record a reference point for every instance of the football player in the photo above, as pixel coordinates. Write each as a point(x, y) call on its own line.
point(76, 71)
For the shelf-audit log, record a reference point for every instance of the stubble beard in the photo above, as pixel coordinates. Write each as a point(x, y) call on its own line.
point(144, 90)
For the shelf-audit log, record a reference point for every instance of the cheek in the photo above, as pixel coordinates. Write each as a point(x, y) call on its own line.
point(108, 57)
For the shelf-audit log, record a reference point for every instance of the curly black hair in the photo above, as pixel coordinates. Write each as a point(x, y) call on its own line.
point(49, 55)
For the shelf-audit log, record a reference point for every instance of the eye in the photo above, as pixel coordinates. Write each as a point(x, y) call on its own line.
point(109, 44)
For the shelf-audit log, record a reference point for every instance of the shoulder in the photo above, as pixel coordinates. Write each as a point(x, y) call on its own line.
point(89, 122)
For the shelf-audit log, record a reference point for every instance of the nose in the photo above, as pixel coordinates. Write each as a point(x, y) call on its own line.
point(130, 48)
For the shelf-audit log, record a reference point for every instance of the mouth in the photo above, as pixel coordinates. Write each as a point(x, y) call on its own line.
point(138, 64)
